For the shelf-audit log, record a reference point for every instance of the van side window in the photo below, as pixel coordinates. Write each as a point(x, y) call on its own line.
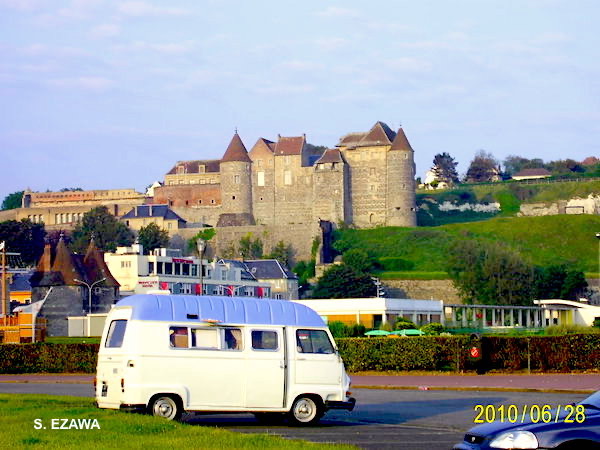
point(179, 337)
point(207, 338)
point(264, 340)
point(313, 341)
point(232, 339)
point(116, 333)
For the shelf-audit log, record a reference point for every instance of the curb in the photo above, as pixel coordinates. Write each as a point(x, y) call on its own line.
point(473, 388)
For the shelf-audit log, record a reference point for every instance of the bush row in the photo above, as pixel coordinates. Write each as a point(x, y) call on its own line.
point(539, 353)
point(48, 358)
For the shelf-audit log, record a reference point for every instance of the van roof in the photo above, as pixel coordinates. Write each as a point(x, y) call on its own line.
point(227, 310)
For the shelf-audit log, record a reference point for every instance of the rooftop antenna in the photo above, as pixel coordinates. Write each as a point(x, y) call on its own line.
point(236, 130)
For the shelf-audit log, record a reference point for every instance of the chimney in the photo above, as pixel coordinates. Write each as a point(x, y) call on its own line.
point(150, 210)
point(135, 209)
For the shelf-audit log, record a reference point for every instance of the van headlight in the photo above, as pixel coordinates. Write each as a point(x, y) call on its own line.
point(515, 439)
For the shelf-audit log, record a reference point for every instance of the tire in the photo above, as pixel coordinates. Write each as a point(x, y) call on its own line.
point(268, 418)
point(305, 411)
point(166, 406)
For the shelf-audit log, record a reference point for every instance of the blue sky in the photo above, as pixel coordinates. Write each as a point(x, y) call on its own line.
point(106, 94)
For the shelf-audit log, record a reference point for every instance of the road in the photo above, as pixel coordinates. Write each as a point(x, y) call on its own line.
point(405, 419)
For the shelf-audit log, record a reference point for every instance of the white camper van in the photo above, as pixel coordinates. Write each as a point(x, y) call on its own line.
point(167, 354)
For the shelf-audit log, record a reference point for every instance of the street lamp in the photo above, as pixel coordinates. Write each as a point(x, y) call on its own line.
point(90, 286)
point(201, 246)
point(598, 275)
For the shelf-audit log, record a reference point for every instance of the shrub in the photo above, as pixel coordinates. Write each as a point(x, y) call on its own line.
point(48, 358)
point(404, 324)
point(392, 263)
point(433, 328)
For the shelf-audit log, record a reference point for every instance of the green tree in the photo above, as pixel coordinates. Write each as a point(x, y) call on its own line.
point(341, 281)
point(558, 281)
point(108, 232)
point(282, 252)
point(207, 234)
point(250, 248)
point(12, 201)
point(444, 168)
point(489, 273)
point(358, 259)
point(483, 167)
point(24, 237)
point(151, 237)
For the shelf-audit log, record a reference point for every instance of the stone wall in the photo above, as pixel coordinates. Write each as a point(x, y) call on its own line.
point(422, 289)
point(589, 205)
point(188, 195)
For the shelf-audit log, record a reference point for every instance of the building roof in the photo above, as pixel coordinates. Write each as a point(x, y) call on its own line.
point(331, 155)
point(236, 151)
point(227, 310)
point(20, 282)
point(65, 264)
point(210, 166)
point(532, 173)
point(379, 134)
point(245, 273)
point(145, 211)
point(95, 267)
point(401, 142)
point(268, 269)
point(292, 145)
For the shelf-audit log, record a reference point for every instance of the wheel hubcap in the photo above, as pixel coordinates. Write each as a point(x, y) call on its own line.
point(305, 410)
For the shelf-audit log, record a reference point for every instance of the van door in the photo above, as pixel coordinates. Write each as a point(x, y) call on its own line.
point(266, 368)
point(316, 361)
point(111, 361)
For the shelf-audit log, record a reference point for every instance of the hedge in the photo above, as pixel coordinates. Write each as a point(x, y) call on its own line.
point(539, 353)
point(48, 358)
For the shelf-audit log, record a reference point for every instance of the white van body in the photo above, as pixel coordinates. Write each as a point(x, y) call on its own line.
point(167, 354)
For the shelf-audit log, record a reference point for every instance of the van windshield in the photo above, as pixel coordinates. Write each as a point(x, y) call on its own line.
point(116, 333)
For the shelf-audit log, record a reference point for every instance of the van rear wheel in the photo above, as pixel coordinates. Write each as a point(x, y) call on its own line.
point(166, 407)
point(305, 411)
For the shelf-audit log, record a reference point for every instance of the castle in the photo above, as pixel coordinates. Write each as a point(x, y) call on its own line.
point(367, 180)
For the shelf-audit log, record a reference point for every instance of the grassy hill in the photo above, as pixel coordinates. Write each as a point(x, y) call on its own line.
point(510, 196)
point(542, 241)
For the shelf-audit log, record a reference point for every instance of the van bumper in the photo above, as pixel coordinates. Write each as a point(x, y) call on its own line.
point(348, 405)
point(133, 408)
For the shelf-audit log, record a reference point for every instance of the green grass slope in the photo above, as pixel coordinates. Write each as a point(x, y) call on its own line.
point(567, 239)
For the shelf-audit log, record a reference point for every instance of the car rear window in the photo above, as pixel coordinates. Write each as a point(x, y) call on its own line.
point(116, 333)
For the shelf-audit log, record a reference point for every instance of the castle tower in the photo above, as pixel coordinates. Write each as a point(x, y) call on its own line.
point(330, 188)
point(236, 185)
point(400, 196)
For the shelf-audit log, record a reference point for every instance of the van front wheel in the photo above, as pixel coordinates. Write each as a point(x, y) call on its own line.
point(305, 411)
point(166, 407)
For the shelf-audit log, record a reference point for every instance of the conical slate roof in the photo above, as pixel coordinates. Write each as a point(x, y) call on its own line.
point(401, 142)
point(63, 264)
point(379, 134)
point(96, 268)
point(236, 151)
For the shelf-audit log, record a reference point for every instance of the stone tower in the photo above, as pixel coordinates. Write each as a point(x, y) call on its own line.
point(330, 188)
point(400, 174)
point(236, 185)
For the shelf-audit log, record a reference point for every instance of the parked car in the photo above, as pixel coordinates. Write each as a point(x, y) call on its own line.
point(572, 427)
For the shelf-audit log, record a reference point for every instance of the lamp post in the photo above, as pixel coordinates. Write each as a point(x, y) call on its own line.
point(90, 286)
point(201, 246)
point(598, 275)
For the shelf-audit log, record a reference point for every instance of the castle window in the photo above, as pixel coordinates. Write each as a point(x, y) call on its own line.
point(212, 201)
point(260, 178)
point(233, 197)
point(261, 199)
point(403, 185)
point(372, 188)
point(372, 171)
point(286, 160)
point(287, 177)
point(236, 179)
point(180, 169)
point(259, 163)
point(406, 156)
point(199, 202)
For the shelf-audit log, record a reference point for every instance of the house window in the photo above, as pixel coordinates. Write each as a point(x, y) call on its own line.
point(287, 177)
point(177, 267)
point(185, 269)
point(151, 267)
point(168, 268)
point(202, 181)
point(286, 160)
point(201, 168)
point(180, 170)
point(159, 268)
point(194, 270)
point(260, 178)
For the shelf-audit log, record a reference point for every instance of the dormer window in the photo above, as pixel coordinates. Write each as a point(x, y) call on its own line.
point(180, 169)
point(201, 168)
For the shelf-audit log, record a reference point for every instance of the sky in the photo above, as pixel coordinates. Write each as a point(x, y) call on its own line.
point(103, 94)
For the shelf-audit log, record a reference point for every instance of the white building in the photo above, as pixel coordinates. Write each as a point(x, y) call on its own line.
point(166, 270)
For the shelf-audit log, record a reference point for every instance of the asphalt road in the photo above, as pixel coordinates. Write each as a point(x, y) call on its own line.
point(405, 419)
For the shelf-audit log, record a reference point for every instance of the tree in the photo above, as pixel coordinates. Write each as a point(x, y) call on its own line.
point(12, 201)
point(341, 281)
point(24, 237)
point(282, 252)
point(108, 232)
point(444, 168)
point(483, 167)
point(67, 189)
point(358, 259)
point(558, 281)
point(206, 235)
point(514, 164)
point(490, 274)
point(151, 237)
point(250, 248)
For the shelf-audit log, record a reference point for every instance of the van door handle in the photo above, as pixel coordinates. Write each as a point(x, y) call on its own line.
point(282, 364)
point(301, 359)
